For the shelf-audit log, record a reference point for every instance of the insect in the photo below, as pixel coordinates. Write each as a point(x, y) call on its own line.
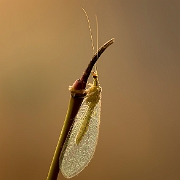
point(81, 141)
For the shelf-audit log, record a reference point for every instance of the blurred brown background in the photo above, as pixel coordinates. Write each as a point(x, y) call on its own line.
point(45, 46)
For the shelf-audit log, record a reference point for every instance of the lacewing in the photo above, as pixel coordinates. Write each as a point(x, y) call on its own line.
point(78, 138)
point(81, 142)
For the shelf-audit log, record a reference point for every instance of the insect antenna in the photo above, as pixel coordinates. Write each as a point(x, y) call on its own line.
point(91, 36)
point(97, 41)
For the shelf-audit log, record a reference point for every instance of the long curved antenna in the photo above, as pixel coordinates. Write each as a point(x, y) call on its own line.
point(89, 25)
point(97, 29)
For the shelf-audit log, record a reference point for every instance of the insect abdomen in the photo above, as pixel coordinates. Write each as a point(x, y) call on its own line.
point(84, 126)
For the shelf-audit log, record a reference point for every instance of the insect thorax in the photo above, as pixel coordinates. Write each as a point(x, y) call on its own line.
point(93, 94)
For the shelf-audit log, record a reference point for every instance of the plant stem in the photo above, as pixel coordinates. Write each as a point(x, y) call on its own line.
point(77, 96)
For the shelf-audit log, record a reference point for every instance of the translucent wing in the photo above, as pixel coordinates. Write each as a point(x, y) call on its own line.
point(76, 156)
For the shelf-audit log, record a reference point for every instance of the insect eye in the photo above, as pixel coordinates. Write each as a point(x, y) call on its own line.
point(94, 75)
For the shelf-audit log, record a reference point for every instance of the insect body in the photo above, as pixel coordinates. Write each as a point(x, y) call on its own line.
point(81, 142)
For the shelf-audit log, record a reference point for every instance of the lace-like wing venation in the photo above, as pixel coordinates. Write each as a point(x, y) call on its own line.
point(75, 157)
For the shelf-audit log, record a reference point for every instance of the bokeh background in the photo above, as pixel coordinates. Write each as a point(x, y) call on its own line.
point(45, 46)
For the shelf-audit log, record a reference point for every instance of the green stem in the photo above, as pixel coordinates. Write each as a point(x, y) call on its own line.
point(54, 168)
